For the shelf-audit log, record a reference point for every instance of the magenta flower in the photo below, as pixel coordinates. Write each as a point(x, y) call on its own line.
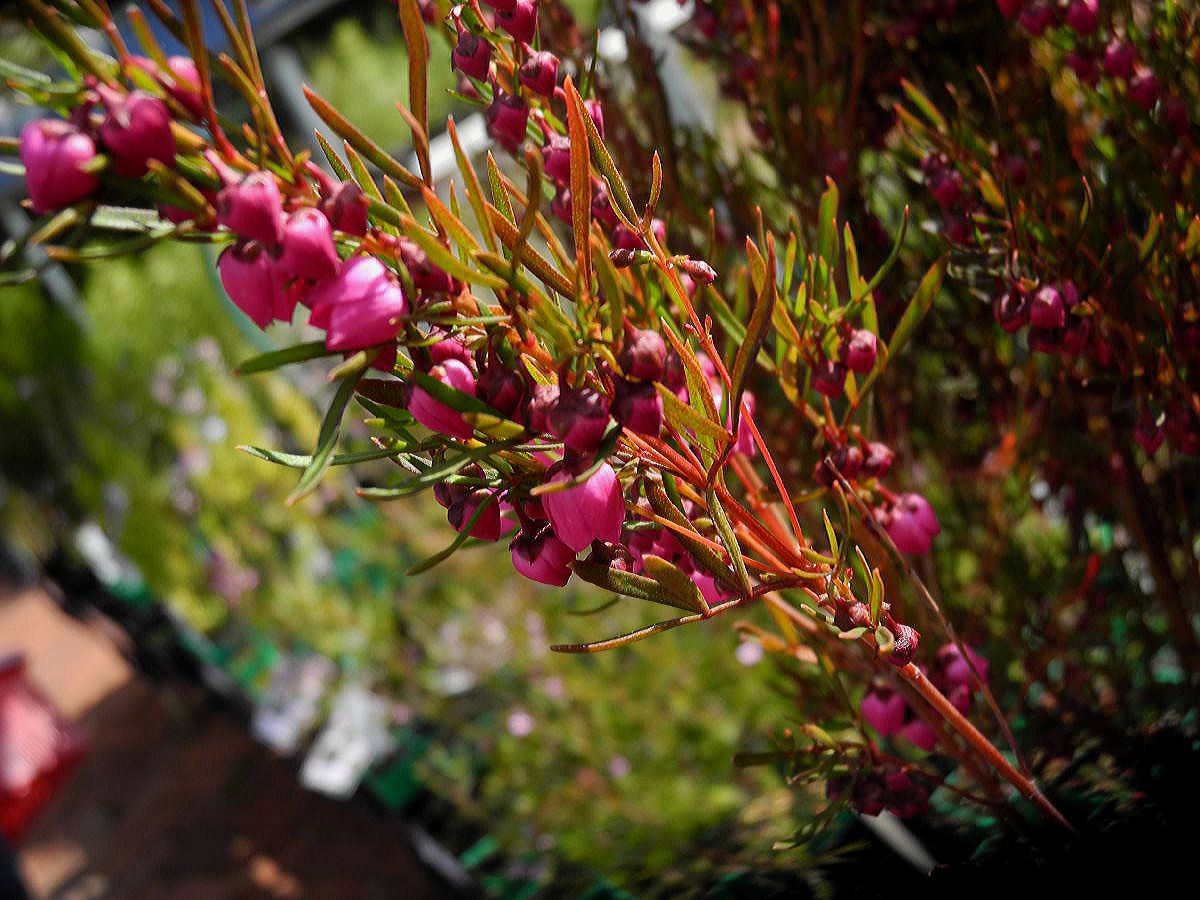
point(501, 388)
point(520, 21)
point(472, 55)
point(917, 732)
point(250, 279)
point(884, 710)
point(506, 119)
point(638, 407)
point(579, 419)
point(184, 84)
point(1047, 310)
point(253, 208)
point(1083, 16)
point(488, 527)
point(644, 355)
point(953, 669)
point(859, 350)
point(539, 72)
point(136, 129)
point(556, 158)
point(596, 112)
point(360, 306)
point(744, 439)
point(53, 151)
point(592, 511)
point(346, 208)
point(437, 416)
point(1144, 88)
point(308, 249)
point(542, 557)
point(829, 378)
point(1011, 309)
point(911, 524)
point(504, 6)
point(878, 460)
point(1119, 58)
point(1149, 432)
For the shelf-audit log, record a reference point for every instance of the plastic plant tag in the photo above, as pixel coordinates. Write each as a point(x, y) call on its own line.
point(289, 707)
point(356, 734)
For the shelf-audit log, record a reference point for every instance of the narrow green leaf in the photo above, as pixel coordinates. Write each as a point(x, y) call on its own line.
point(268, 361)
point(303, 461)
point(729, 539)
point(917, 308)
point(331, 428)
point(629, 584)
point(683, 417)
point(363, 144)
point(675, 583)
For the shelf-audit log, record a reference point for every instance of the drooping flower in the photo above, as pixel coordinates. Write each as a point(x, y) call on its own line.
point(506, 119)
point(308, 249)
point(135, 130)
point(859, 350)
point(539, 72)
point(542, 557)
point(472, 55)
point(360, 307)
point(883, 709)
point(579, 419)
point(638, 406)
point(911, 524)
point(488, 527)
point(53, 152)
point(521, 21)
point(593, 510)
point(249, 277)
point(346, 208)
point(253, 208)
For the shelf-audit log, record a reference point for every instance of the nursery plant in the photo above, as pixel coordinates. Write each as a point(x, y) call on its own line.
point(661, 364)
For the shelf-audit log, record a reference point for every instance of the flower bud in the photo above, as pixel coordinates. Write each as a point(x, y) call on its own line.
point(1119, 58)
point(911, 524)
point(346, 208)
point(539, 72)
point(1047, 309)
point(248, 275)
point(520, 21)
point(592, 511)
point(424, 274)
point(253, 208)
point(858, 351)
point(501, 388)
point(184, 85)
point(472, 55)
point(1143, 88)
point(488, 527)
point(543, 399)
point(883, 709)
point(506, 119)
point(53, 151)
point(829, 378)
point(596, 112)
point(698, 269)
point(451, 348)
point(1011, 309)
point(308, 249)
point(556, 158)
point(437, 416)
point(1036, 18)
point(946, 186)
point(504, 6)
point(1083, 16)
point(135, 130)
point(1084, 66)
point(579, 419)
point(644, 355)
point(638, 407)
point(878, 461)
point(542, 557)
point(905, 646)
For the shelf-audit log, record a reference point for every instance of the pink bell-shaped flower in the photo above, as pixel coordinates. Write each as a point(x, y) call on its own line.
point(594, 510)
point(579, 419)
point(859, 350)
point(360, 306)
point(917, 732)
point(506, 119)
point(488, 527)
point(539, 72)
point(53, 151)
point(472, 55)
point(308, 249)
point(644, 355)
point(542, 557)
point(829, 378)
point(883, 709)
point(253, 208)
point(249, 277)
point(184, 84)
point(911, 524)
point(437, 416)
point(346, 208)
point(638, 407)
point(556, 158)
point(521, 21)
point(135, 130)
